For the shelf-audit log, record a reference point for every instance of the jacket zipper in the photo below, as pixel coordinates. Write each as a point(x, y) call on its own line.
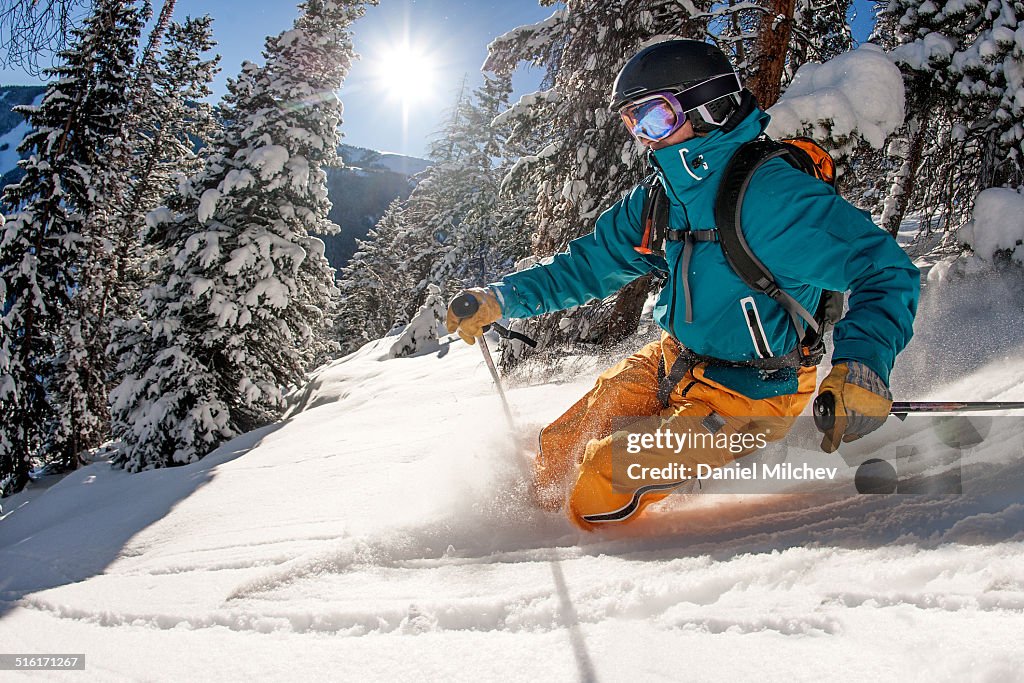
point(752, 318)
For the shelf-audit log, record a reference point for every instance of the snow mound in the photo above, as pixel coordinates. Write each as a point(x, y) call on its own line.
point(997, 224)
point(858, 93)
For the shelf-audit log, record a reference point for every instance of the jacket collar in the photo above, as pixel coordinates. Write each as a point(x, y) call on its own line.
point(685, 167)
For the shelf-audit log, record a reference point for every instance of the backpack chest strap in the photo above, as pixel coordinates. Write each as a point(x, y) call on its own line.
point(692, 235)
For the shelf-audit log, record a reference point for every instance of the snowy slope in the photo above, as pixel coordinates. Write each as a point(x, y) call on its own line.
point(381, 532)
point(9, 145)
point(13, 127)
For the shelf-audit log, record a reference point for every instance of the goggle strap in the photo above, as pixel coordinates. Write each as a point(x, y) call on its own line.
point(706, 115)
point(709, 91)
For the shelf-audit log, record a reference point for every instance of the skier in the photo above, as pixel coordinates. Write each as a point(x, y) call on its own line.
point(728, 350)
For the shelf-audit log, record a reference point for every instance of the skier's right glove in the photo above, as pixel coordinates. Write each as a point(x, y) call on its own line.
point(472, 326)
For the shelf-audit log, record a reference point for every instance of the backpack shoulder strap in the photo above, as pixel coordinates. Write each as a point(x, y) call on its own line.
point(728, 206)
point(653, 217)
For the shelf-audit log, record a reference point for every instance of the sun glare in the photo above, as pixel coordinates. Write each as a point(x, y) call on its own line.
point(406, 73)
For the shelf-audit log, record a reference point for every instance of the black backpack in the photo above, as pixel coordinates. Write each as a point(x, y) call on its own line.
point(801, 153)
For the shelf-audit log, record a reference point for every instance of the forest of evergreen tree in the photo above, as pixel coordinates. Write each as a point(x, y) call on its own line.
point(160, 296)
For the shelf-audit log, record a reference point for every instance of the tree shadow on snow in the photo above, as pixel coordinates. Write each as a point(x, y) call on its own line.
point(78, 527)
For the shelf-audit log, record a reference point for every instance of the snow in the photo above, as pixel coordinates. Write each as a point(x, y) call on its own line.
point(997, 223)
point(269, 292)
point(290, 37)
point(208, 204)
point(934, 48)
point(9, 155)
point(525, 104)
point(856, 93)
point(572, 189)
point(269, 160)
point(535, 35)
point(237, 179)
point(159, 216)
point(299, 171)
point(520, 164)
point(381, 531)
point(406, 165)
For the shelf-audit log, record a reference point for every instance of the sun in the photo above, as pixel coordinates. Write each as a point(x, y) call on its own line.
point(406, 73)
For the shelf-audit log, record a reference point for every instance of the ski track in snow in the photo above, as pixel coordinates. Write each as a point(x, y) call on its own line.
point(362, 518)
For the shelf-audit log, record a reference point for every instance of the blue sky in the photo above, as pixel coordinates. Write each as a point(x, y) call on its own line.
point(452, 35)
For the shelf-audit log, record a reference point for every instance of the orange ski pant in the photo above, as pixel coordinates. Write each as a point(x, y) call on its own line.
point(579, 444)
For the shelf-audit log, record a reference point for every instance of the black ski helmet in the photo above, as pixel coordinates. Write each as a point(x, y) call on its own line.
point(697, 69)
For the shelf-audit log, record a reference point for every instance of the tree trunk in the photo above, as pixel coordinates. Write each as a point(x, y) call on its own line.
point(770, 52)
point(903, 186)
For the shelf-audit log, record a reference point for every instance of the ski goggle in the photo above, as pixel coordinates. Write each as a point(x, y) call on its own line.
point(654, 117)
point(660, 114)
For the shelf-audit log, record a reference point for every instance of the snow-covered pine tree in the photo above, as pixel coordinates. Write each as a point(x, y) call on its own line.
point(241, 307)
point(962, 64)
point(498, 237)
point(370, 284)
point(989, 96)
point(165, 119)
point(420, 335)
point(902, 25)
point(789, 34)
point(49, 246)
point(79, 387)
point(166, 225)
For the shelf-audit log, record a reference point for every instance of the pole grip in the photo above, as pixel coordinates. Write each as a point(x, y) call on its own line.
point(464, 305)
point(825, 412)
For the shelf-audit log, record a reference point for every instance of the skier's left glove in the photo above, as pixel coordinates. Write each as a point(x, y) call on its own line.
point(862, 403)
point(472, 326)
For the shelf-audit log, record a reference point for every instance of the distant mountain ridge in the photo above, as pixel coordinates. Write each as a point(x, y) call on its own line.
point(373, 160)
point(360, 191)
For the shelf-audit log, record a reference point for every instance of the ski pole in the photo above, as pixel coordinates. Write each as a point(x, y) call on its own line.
point(825, 408)
point(465, 306)
point(901, 408)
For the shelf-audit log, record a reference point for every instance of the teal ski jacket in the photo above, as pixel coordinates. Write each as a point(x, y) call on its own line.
point(808, 236)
